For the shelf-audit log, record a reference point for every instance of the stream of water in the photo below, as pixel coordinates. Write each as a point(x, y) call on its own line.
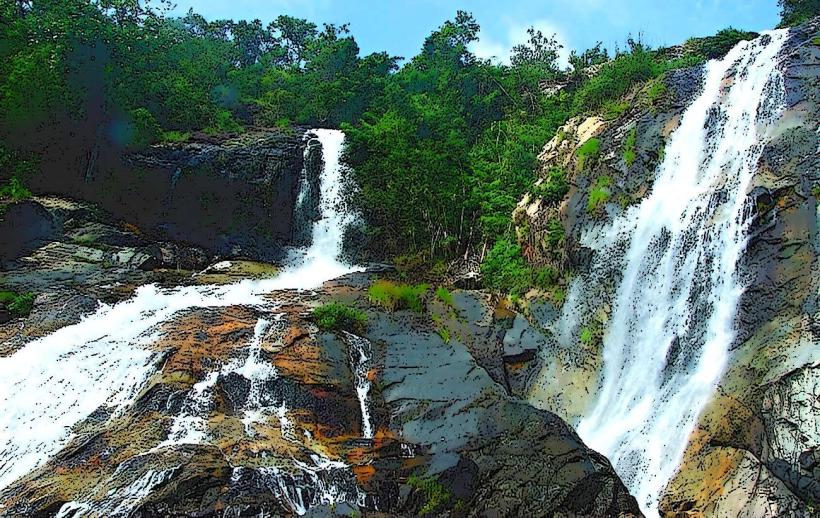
point(54, 382)
point(672, 320)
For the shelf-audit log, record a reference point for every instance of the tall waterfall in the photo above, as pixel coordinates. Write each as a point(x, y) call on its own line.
point(671, 325)
point(54, 382)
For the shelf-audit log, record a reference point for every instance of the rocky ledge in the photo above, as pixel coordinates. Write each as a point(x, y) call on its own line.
point(254, 409)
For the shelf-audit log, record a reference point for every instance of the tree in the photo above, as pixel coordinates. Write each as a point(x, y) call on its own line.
point(794, 12)
point(540, 52)
point(590, 57)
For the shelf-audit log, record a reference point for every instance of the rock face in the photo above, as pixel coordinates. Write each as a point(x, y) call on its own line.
point(753, 451)
point(229, 195)
point(72, 255)
point(255, 410)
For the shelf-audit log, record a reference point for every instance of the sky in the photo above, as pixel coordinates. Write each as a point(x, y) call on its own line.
point(400, 26)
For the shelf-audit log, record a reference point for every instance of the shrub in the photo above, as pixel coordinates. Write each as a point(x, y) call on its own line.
point(175, 136)
point(615, 79)
point(614, 109)
point(555, 232)
point(146, 131)
point(717, 46)
point(340, 317)
point(586, 336)
point(554, 187)
point(223, 122)
point(546, 278)
point(504, 269)
point(630, 147)
point(436, 496)
point(794, 12)
point(15, 190)
point(655, 92)
point(19, 305)
point(394, 297)
point(599, 194)
point(589, 150)
point(444, 295)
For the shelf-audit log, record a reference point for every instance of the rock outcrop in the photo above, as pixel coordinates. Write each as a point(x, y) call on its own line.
point(255, 410)
point(231, 195)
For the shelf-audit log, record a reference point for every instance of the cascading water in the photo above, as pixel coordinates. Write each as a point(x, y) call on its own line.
point(54, 382)
point(671, 324)
point(360, 351)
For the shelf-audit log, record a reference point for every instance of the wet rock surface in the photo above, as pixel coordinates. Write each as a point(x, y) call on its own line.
point(756, 439)
point(254, 409)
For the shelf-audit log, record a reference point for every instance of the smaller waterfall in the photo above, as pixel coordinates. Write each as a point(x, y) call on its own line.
point(191, 425)
point(56, 381)
point(360, 351)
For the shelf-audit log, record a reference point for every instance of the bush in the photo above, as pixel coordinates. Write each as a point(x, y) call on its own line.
point(340, 317)
point(146, 131)
point(444, 295)
point(175, 136)
point(15, 190)
point(630, 143)
point(504, 269)
point(717, 46)
point(546, 278)
point(19, 305)
point(555, 232)
point(223, 122)
point(655, 92)
point(614, 109)
point(615, 79)
point(554, 187)
point(436, 496)
point(599, 194)
point(589, 150)
point(394, 297)
point(794, 12)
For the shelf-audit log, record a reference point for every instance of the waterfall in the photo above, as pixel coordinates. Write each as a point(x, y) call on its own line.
point(360, 351)
point(671, 326)
point(56, 381)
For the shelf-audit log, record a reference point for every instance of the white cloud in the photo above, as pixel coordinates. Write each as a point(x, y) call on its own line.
point(498, 49)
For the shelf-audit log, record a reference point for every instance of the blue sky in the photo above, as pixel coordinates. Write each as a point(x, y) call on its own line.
point(399, 27)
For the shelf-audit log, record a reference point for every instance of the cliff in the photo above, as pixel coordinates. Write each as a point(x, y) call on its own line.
point(752, 451)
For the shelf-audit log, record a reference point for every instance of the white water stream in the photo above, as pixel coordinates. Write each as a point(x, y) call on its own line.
point(54, 382)
point(360, 351)
point(672, 321)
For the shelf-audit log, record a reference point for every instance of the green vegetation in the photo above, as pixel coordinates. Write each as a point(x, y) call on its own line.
point(14, 190)
point(589, 150)
point(614, 109)
point(336, 316)
point(599, 194)
point(630, 147)
point(655, 93)
point(555, 232)
point(394, 297)
point(794, 12)
point(504, 269)
point(436, 496)
point(441, 148)
point(18, 304)
point(554, 187)
point(717, 46)
point(175, 136)
point(444, 295)
point(592, 334)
